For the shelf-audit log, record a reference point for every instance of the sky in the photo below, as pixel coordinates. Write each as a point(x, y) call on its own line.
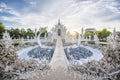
point(74, 14)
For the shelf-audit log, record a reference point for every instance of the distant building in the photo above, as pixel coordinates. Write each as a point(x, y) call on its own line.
point(90, 30)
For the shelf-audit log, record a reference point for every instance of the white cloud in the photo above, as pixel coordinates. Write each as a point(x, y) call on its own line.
point(74, 14)
point(5, 8)
point(0, 10)
point(3, 5)
point(32, 2)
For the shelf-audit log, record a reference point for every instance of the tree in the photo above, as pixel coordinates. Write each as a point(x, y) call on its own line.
point(11, 32)
point(103, 34)
point(2, 29)
point(43, 30)
point(89, 34)
point(30, 33)
point(23, 33)
point(76, 35)
point(15, 33)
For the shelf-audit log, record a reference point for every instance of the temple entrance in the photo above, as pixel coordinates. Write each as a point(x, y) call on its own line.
point(59, 32)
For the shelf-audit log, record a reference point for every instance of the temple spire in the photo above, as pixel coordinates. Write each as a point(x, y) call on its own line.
point(58, 21)
point(82, 30)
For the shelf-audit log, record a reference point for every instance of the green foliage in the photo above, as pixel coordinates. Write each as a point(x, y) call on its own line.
point(2, 29)
point(43, 30)
point(16, 42)
point(14, 33)
point(103, 34)
point(21, 33)
point(91, 42)
point(30, 33)
point(89, 33)
point(27, 43)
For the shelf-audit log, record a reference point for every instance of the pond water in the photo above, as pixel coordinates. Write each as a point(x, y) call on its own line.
point(41, 53)
point(77, 53)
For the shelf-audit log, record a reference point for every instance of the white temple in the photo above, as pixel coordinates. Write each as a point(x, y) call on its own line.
point(59, 30)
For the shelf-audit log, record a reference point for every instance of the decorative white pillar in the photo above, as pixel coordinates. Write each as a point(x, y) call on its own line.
point(79, 40)
point(35, 34)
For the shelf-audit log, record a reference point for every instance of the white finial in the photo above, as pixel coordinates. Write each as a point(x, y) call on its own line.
point(58, 21)
point(82, 30)
point(114, 32)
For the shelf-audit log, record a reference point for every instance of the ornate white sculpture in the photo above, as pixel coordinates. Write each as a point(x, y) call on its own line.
point(38, 39)
point(7, 40)
point(113, 39)
point(22, 42)
point(79, 40)
point(96, 39)
point(59, 30)
point(35, 33)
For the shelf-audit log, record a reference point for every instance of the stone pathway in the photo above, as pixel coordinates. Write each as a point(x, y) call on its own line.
point(60, 75)
point(59, 66)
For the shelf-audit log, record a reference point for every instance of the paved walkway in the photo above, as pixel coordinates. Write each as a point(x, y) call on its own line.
point(59, 59)
point(59, 66)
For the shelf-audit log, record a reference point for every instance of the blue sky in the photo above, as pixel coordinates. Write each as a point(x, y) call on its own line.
point(74, 14)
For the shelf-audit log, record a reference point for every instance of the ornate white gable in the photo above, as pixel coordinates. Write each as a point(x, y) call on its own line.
point(59, 30)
